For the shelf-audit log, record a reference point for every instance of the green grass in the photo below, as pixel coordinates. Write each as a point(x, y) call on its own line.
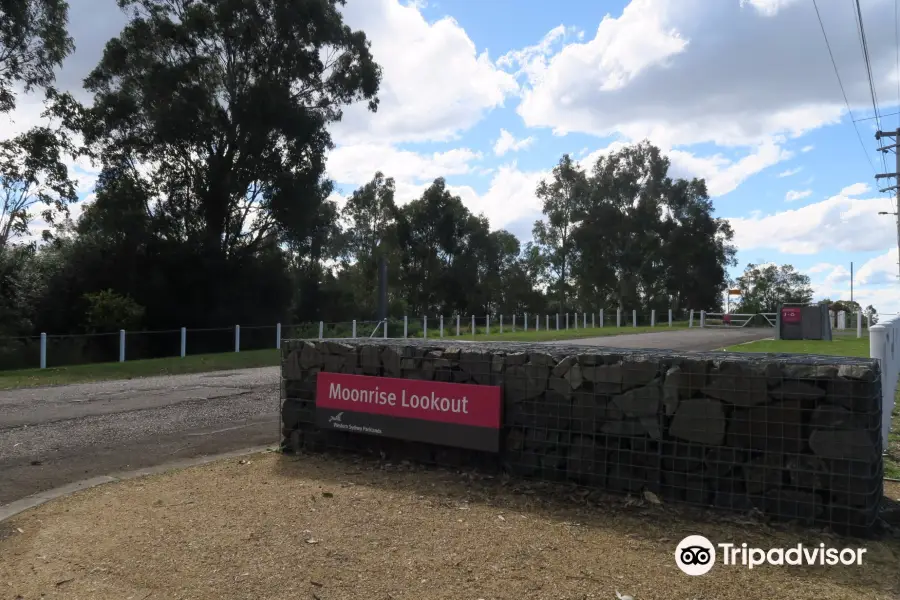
point(199, 363)
point(840, 346)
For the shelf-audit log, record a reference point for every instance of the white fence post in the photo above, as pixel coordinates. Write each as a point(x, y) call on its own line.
point(385, 333)
point(557, 321)
point(184, 339)
point(277, 336)
point(576, 320)
point(584, 320)
point(653, 317)
point(425, 327)
point(353, 332)
point(237, 336)
point(702, 318)
point(670, 317)
point(883, 346)
point(514, 323)
point(859, 324)
point(537, 322)
point(593, 320)
point(487, 324)
point(618, 317)
point(567, 320)
point(321, 330)
point(405, 326)
point(691, 319)
point(121, 345)
point(525, 322)
point(501, 324)
point(442, 325)
point(601, 318)
point(43, 350)
point(457, 325)
point(473, 325)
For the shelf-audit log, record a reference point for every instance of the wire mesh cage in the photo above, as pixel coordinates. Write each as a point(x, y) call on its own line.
point(794, 437)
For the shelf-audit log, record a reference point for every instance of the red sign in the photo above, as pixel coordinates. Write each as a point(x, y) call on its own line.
point(790, 315)
point(452, 403)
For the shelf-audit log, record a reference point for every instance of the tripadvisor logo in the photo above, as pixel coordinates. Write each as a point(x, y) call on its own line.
point(696, 555)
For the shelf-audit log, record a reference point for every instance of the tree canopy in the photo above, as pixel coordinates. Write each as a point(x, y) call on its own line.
point(764, 287)
point(209, 122)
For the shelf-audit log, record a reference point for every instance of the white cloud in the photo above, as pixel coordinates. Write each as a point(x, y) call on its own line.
point(357, 164)
point(508, 143)
point(881, 269)
point(435, 82)
point(808, 148)
point(722, 175)
point(797, 195)
point(663, 70)
point(856, 189)
point(838, 223)
point(790, 172)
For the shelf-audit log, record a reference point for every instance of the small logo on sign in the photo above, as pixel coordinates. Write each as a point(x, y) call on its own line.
point(336, 418)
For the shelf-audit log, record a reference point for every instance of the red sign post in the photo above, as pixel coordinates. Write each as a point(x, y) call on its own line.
point(450, 414)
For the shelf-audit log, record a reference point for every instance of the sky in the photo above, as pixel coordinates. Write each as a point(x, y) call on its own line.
point(743, 93)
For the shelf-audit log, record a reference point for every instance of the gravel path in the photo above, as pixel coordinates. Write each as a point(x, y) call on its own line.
point(53, 436)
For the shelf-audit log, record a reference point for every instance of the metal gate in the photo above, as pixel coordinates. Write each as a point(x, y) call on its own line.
point(733, 320)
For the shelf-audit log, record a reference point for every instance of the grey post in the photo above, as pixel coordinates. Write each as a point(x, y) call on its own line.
point(277, 336)
point(442, 325)
point(121, 345)
point(457, 324)
point(353, 331)
point(473, 325)
point(487, 324)
point(557, 321)
point(321, 330)
point(43, 350)
point(601, 318)
point(634, 318)
point(618, 317)
point(501, 324)
point(525, 319)
point(184, 340)
point(425, 327)
point(567, 320)
point(652, 317)
point(691, 319)
point(670, 317)
point(514, 323)
point(547, 322)
point(405, 327)
point(702, 319)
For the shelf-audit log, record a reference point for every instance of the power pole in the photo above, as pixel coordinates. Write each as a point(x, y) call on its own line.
point(851, 281)
point(895, 174)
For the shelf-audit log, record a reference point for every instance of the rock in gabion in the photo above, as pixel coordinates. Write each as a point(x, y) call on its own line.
point(796, 437)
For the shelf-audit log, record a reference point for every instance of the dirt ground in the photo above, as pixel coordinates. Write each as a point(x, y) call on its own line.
point(275, 527)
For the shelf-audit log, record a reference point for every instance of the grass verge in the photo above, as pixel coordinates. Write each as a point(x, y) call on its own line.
point(199, 363)
point(271, 526)
point(839, 346)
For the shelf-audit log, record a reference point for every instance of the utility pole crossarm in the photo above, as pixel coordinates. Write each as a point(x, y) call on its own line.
point(896, 173)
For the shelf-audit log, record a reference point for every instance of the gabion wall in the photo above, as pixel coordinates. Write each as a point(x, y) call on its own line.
point(796, 437)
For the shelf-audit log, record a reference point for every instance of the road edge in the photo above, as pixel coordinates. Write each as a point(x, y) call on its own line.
point(8, 511)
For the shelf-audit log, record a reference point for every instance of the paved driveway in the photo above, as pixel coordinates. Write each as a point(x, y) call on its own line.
point(58, 435)
point(694, 339)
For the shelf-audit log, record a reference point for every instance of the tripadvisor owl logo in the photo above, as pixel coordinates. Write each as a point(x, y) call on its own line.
point(695, 555)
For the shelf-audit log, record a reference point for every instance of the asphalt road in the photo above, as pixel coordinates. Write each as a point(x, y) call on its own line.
point(53, 436)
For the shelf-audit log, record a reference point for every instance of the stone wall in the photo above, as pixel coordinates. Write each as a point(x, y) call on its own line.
point(796, 437)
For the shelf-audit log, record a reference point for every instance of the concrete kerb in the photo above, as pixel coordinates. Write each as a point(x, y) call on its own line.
point(7, 511)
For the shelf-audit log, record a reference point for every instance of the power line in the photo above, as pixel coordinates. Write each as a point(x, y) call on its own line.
point(897, 44)
point(840, 83)
point(860, 28)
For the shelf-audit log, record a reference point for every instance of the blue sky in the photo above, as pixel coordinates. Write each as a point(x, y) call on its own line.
point(739, 92)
